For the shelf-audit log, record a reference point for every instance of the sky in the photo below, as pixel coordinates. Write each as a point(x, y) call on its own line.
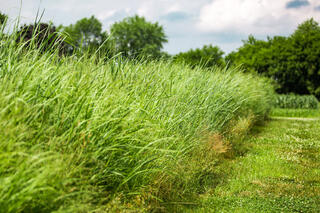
point(188, 24)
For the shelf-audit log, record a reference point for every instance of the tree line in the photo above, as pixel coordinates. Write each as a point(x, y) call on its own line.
point(133, 37)
point(292, 62)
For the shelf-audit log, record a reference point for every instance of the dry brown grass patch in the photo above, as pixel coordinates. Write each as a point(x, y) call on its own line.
point(216, 143)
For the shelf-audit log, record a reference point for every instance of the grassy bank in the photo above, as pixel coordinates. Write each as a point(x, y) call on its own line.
point(83, 134)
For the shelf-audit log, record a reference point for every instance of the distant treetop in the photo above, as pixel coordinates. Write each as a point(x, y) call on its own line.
point(207, 56)
point(134, 37)
point(292, 62)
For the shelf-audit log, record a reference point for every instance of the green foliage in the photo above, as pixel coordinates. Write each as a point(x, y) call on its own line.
point(136, 37)
point(207, 56)
point(86, 34)
point(302, 113)
point(3, 18)
point(291, 61)
point(296, 102)
point(306, 53)
point(79, 134)
point(252, 55)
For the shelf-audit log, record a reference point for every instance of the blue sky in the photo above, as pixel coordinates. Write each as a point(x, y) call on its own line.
point(187, 23)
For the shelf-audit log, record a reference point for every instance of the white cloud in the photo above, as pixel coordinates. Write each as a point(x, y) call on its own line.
point(106, 14)
point(153, 9)
point(188, 23)
point(253, 16)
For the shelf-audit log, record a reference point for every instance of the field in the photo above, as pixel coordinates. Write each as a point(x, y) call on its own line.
point(83, 134)
point(278, 173)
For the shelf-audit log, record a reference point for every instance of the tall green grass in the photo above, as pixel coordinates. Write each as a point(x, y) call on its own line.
point(81, 134)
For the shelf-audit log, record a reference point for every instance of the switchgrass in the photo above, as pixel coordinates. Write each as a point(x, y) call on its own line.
point(296, 102)
point(82, 134)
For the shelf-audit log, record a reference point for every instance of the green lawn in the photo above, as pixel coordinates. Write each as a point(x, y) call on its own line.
point(280, 172)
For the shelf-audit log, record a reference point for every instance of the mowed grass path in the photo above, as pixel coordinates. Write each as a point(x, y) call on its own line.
point(280, 172)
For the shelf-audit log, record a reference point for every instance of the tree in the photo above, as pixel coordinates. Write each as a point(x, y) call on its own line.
point(253, 55)
point(135, 37)
point(306, 51)
point(293, 62)
point(272, 58)
point(85, 33)
point(207, 56)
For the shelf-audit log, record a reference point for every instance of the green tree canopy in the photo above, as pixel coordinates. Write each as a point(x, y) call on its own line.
point(293, 62)
point(207, 56)
point(85, 33)
point(305, 42)
point(134, 36)
point(252, 55)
